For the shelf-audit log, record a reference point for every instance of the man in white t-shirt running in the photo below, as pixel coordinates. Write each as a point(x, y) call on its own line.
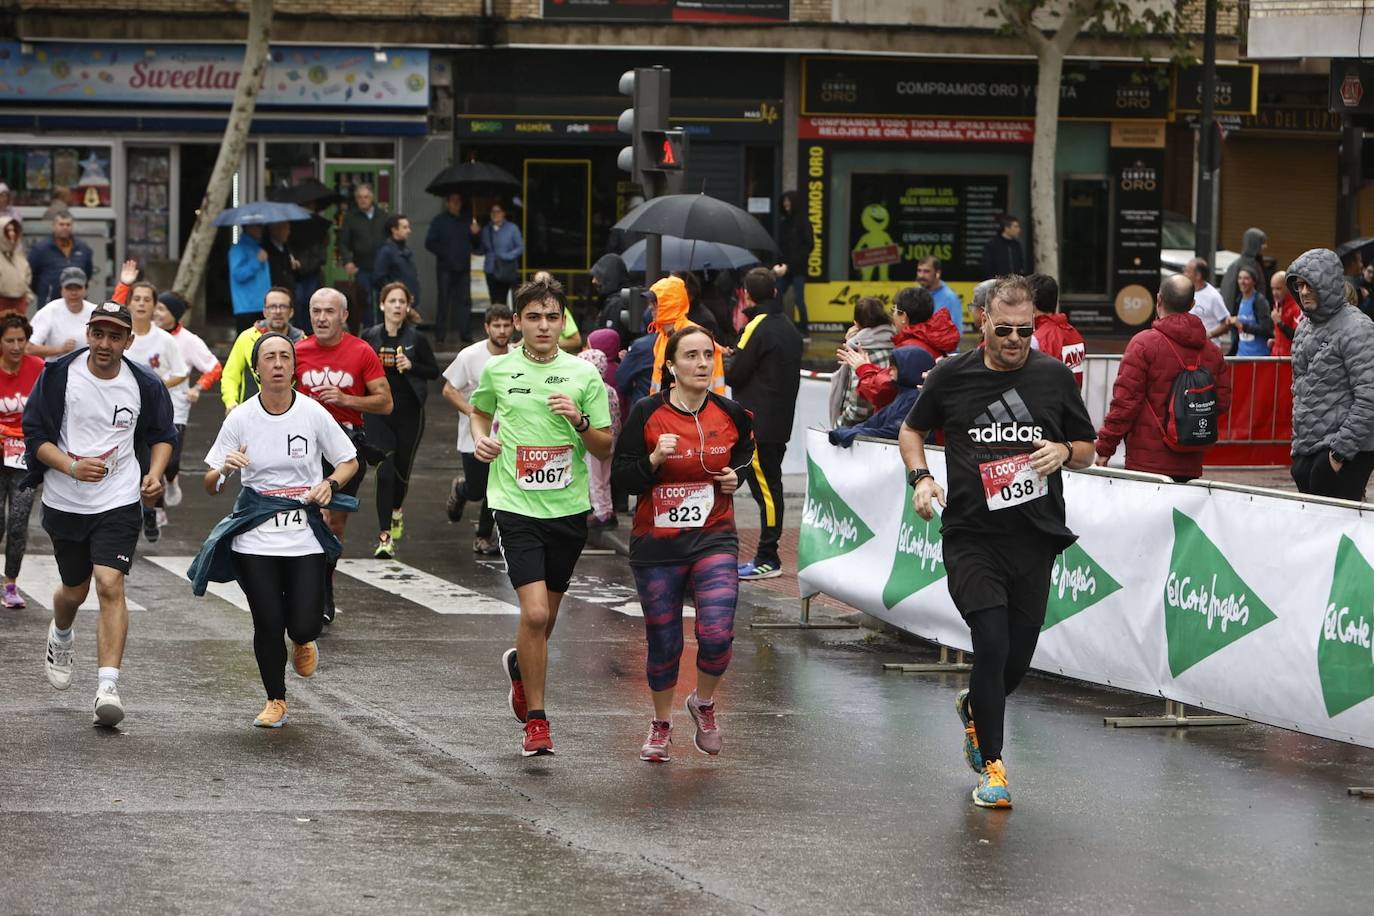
point(460, 380)
point(1207, 301)
point(87, 417)
point(60, 326)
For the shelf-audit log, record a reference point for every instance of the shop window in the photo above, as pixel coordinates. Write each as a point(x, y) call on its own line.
point(287, 165)
point(34, 172)
point(1084, 233)
point(557, 209)
point(385, 149)
point(148, 227)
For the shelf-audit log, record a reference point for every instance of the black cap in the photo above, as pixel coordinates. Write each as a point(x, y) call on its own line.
point(112, 312)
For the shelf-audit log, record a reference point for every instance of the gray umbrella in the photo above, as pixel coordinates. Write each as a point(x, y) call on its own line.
point(260, 213)
point(697, 216)
point(689, 254)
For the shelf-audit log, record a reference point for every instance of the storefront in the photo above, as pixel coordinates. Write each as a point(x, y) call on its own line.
point(133, 132)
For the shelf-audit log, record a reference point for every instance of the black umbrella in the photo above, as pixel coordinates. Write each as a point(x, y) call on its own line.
point(472, 178)
point(310, 191)
point(697, 216)
point(1364, 246)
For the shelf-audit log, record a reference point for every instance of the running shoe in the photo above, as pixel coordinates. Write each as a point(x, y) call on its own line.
point(707, 738)
point(12, 598)
point(305, 657)
point(161, 515)
point(386, 548)
point(59, 661)
point(172, 494)
point(991, 791)
point(517, 686)
point(755, 570)
point(486, 547)
point(655, 749)
point(150, 530)
point(398, 525)
point(109, 711)
point(456, 502)
point(972, 755)
point(273, 715)
point(537, 741)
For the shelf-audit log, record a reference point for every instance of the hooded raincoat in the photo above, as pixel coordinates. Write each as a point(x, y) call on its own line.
point(670, 315)
point(16, 277)
point(1252, 242)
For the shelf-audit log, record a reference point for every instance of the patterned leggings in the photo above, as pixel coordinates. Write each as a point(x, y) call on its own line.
point(714, 582)
point(15, 505)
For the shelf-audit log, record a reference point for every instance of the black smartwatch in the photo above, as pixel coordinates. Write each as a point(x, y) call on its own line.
point(583, 424)
point(916, 475)
point(334, 485)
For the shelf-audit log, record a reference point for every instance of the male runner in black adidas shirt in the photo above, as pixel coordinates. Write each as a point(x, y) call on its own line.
point(1012, 419)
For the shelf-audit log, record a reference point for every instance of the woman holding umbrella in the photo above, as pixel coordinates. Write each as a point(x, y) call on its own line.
point(250, 275)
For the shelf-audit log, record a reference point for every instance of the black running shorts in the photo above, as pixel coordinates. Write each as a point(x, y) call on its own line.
point(993, 572)
point(541, 549)
point(355, 482)
point(82, 542)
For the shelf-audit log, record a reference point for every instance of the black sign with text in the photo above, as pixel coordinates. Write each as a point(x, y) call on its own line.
point(671, 10)
point(1138, 179)
point(1237, 89)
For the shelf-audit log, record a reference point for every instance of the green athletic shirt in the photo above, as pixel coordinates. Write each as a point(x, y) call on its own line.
point(515, 390)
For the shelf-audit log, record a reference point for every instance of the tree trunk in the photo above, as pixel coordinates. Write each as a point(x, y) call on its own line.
point(1044, 216)
point(255, 59)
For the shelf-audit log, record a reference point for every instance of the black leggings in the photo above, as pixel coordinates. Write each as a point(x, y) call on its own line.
point(396, 435)
point(474, 489)
point(1313, 474)
point(285, 596)
point(1003, 643)
point(15, 506)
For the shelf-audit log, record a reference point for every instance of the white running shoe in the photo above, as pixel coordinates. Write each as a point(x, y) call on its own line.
point(161, 515)
point(172, 495)
point(59, 660)
point(109, 711)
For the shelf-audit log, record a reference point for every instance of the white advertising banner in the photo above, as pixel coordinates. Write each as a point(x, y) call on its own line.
point(1252, 605)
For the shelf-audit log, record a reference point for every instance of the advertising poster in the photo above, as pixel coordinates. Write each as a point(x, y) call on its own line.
point(1139, 178)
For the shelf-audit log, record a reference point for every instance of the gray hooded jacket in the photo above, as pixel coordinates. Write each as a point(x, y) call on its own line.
point(1251, 244)
point(1333, 364)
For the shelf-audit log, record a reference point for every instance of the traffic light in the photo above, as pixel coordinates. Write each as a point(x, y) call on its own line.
point(657, 155)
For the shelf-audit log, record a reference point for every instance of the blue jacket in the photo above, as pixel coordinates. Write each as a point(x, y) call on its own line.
point(506, 245)
point(449, 239)
point(249, 278)
point(48, 262)
point(947, 299)
point(215, 563)
point(48, 406)
point(912, 364)
point(634, 375)
point(395, 263)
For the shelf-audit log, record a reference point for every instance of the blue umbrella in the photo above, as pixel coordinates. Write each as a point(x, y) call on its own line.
point(260, 213)
point(685, 254)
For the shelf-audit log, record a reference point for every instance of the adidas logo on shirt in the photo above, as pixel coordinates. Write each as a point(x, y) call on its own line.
point(1006, 421)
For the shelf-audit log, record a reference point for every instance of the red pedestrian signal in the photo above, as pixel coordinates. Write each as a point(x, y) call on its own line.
point(667, 149)
point(666, 159)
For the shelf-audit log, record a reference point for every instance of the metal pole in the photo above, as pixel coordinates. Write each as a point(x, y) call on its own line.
point(653, 258)
point(1206, 245)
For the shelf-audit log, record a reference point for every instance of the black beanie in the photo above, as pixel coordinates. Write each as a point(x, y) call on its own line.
point(174, 304)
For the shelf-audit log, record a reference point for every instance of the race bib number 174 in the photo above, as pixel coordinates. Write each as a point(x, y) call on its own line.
point(1011, 482)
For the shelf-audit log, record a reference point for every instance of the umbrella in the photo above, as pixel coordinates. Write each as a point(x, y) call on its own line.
point(260, 213)
point(1364, 246)
point(685, 254)
point(697, 216)
point(471, 178)
point(309, 191)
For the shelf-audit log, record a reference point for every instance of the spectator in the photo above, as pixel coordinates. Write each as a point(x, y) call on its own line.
point(1002, 255)
point(870, 339)
point(609, 279)
point(1207, 302)
point(671, 308)
point(795, 242)
point(765, 376)
point(1251, 326)
point(395, 261)
point(1144, 386)
point(918, 325)
point(310, 245)
point(450, 239)
point(599, 469)
point(1054, 335)
point(697, 312)
point(49, 257)
point(502, 246)
point(362, 233)
point(979, 309)
point(608, 342)
point(250, 277)
point(7, 210)
point(1253, 243)
point(282, 265)
point(1285, 313)
point(908, 370)
point(928, 272)
point(60, 200)
point(1354, 267)
point(1333, 382)
point(16, 277)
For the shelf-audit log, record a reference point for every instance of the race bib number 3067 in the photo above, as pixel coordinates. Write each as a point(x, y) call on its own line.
point(543, 467)
point(1011, 482)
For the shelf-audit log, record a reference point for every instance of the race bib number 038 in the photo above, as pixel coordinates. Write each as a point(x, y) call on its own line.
point(683, 505)
point(1011, 482)
point(14, 454)
point(543, 467)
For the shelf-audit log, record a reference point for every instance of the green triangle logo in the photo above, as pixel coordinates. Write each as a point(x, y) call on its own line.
point(919, 560)
point(1207, 606)
point(1077, 582)
point(1345, 646)
point(829, 528)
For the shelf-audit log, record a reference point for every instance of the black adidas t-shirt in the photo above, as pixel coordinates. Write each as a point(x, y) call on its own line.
point(989, 419)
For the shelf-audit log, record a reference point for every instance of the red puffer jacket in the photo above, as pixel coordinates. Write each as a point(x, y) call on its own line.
point(937, 336)
point(1057, 338)
point(1143, 387)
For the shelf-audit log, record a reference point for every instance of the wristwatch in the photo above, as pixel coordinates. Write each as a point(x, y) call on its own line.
point(334, 485)
point(582, 425)
point(916, 475)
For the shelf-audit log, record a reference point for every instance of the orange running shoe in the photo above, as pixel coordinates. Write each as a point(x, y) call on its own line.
point(305, 657)
point(273, 715)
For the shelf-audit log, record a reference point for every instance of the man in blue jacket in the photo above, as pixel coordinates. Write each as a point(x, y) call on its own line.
point(502, 244)
point(55, 254)
point(250, 277)
point(88, 418)
point(450, 240)
point(395, 262)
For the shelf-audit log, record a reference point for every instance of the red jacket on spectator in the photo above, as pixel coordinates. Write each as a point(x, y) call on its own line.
point(1289, 315)
point(937, 336)
point(1152, 361)
point(1061, 340)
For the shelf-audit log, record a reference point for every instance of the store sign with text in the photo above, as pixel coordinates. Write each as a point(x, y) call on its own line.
point(917, 130)
point(671, 10)
point(1139, 193)
point(1237, 89)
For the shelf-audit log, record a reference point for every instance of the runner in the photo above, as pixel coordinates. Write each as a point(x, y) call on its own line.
point(1012, 419)
point(237, 383)
point(460, 380)
point(345, 375)
point(280, 541)
point(167, 314)
point(551, 409)
point(684, 529)
point(154, 348)
point(87, 415)
point(409, 363)
point(18, 374)
point(59, 327)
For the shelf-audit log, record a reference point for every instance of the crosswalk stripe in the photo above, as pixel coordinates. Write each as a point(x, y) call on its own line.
point(229, 591)
point(439, 595)
point(39, 578)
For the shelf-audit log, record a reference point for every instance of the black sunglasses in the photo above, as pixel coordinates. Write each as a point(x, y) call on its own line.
point(1022, 330)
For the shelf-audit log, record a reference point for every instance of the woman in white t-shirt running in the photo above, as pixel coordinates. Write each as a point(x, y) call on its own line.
point(275, 440)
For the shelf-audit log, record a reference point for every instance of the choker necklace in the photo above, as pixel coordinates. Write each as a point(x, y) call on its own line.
point(535, 359)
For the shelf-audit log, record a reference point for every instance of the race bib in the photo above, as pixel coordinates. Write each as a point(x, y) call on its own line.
point(14, 454)
point(1011, 482)
point(288, 520)
point(540, 467)
point(683, 505)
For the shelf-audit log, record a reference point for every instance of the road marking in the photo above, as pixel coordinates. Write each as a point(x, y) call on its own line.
point(39, 579)
point(439, 595)
point(229, 591)
point(623, 599)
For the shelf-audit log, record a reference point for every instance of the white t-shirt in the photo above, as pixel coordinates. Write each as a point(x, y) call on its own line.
point(464, 373)
point(55, 324)
point(98, 422)
point(197, 356)
point(1208, 306)
point(159, 352)
point(284, 453)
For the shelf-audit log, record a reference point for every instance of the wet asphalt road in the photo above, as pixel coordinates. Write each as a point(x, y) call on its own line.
point(398, 787)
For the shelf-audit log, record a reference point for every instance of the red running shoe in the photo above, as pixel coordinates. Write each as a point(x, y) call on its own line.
point(517, 686)
point(537, 740)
